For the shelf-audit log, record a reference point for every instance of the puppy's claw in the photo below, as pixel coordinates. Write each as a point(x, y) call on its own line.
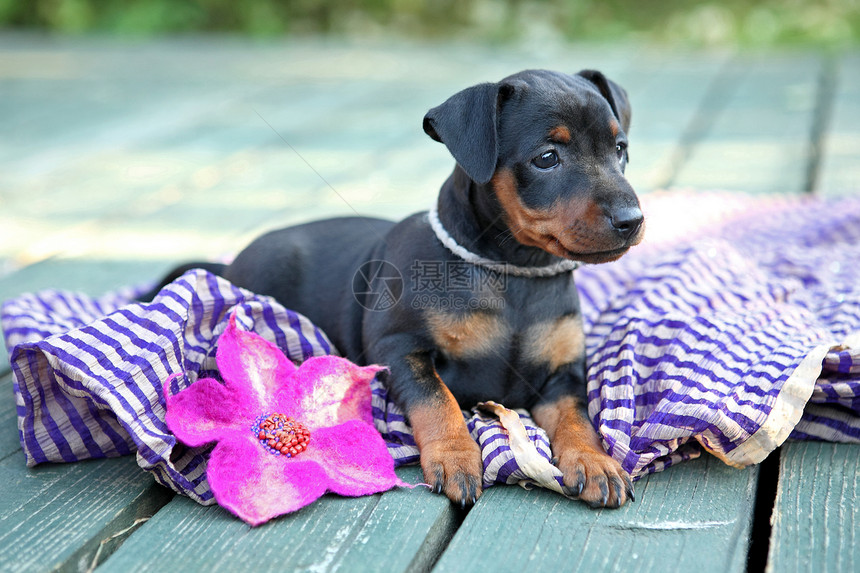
point(454, 472)
point(580, 483)
point(595, 478)
point(439, 479)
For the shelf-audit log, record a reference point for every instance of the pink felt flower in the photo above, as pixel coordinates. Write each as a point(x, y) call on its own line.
point(285, 435)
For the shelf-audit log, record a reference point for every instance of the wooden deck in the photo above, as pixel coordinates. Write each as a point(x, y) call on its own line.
point(121, 159)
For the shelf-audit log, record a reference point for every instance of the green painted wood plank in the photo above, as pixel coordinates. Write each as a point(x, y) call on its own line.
point(839, 172)
point(692, 517)
point(123, 174)
point(92, 277)
point(758, 139)
point(667, 101)
point(370, 150)
point(367, 154)
point(400, 530)
point(816, 518)
point(9, 442)
point(55, 517)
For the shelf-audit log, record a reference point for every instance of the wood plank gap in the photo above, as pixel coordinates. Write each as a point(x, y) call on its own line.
point(821, 118)
point(437, 540)
point(725, 81)
point(113, 535)
point(10, 454)
point(765, 500)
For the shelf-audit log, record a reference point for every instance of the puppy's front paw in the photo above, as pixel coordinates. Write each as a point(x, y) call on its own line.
point(595, 478)
point(455, 468)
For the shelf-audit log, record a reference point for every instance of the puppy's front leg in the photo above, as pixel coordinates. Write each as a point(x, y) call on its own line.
point(589, 472)
point(450, 458)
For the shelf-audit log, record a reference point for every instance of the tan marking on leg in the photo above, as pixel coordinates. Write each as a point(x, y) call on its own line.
point(439, 421)
point(566, 426)
point(450, 458)
point(581, 456)
point(555, 342)
point(467, 335)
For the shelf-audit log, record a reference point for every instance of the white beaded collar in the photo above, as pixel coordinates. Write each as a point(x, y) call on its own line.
point(446, 239)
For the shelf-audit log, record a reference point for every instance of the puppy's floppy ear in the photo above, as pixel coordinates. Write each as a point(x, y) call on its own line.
point(614, 94)
point(466, 124)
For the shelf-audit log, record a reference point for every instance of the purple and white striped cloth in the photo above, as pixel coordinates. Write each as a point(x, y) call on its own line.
point(732, 328)
point(88, 372)
point(88, 375)
point(735, 327)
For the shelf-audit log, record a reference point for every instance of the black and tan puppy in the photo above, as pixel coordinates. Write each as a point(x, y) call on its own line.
point(539, 183)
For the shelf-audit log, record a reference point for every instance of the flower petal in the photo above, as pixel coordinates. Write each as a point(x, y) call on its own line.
point(251, 365)
point(203, 412)
point(256, 485)
point(354, 458)
point(327, 391)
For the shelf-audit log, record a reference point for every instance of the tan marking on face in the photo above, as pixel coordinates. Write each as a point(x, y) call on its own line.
point(555, 342)
point(469, 335)
point(614, 127)
point(560, 134)
point(535, 227)
point(530, 226)
point(576, 225)
point(591, 215)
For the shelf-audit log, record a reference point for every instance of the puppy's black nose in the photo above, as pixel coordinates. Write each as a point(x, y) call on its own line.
point(627, 221)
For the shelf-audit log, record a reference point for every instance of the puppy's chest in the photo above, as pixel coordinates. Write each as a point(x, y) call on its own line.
point(519, 341)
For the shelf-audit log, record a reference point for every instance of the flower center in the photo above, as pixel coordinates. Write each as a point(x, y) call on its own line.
point(281, 435)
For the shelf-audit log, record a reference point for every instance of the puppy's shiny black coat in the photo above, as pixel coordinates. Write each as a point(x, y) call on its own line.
point(539, 179)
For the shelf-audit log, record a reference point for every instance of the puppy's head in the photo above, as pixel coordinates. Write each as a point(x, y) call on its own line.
point(552, 147)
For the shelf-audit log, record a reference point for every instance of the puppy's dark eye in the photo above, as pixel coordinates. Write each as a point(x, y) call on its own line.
point(546, 160)
point(620, 147)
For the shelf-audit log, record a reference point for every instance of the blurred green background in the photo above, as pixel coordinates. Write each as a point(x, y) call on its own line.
point(740, 23)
